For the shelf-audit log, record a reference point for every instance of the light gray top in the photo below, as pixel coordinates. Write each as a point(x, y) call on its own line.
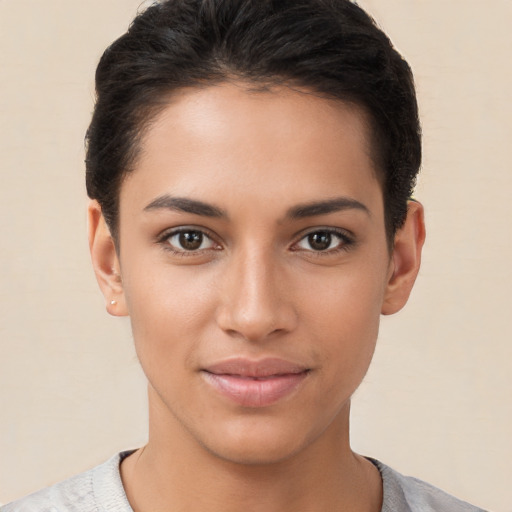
point(101, 490)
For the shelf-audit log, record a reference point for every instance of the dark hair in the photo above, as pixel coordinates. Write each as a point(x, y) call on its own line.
point(329, 46)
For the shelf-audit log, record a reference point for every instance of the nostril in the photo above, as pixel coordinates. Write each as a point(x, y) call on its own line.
point(257, 326)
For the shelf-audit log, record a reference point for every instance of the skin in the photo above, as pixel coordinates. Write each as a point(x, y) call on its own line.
point(256, 288)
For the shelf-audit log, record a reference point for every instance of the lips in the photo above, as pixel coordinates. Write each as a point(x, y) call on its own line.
point(255, 383)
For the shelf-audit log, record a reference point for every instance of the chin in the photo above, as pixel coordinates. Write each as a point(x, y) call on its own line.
point(257, 454)
point(263, 442)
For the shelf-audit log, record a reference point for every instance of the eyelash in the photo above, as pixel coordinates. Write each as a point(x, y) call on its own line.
point(347, 241)
point(165, 237)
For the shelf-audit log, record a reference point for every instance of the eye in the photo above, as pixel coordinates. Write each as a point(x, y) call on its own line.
point(189, 240)
point(324, 240)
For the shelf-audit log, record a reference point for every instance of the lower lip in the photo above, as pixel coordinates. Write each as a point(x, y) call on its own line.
point(252, 392)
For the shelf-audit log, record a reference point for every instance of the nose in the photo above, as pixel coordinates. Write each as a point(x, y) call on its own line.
point(255, 300)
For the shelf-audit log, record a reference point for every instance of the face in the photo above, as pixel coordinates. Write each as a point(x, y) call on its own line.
point(254, 267)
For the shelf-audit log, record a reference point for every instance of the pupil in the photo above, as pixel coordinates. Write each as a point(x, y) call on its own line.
point(191, 240)
point(320, 241)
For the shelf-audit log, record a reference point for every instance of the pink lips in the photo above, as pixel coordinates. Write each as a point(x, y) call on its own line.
point(255, 383)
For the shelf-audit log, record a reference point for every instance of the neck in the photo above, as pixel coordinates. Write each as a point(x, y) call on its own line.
point(174, 472)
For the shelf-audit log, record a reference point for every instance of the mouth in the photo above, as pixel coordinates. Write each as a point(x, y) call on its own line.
point(255, 383)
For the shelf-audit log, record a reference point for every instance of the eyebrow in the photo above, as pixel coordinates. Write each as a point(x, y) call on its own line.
point(315, 208)
point(183, 204)
point(301, 211)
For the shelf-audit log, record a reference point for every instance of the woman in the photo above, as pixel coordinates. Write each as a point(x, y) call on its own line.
point(250, 166)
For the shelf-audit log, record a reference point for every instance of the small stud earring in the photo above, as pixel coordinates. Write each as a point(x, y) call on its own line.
point(113, 302)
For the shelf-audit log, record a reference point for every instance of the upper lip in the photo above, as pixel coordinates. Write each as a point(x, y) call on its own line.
point(260, 368)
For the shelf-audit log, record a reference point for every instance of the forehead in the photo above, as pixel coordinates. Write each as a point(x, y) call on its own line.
point(230, 140)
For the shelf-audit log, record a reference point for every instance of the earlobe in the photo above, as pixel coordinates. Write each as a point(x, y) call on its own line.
point(405, 259)
point(105, 261)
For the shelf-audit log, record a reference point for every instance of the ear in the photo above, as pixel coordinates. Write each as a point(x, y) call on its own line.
point(405, 259)
point(105, 261)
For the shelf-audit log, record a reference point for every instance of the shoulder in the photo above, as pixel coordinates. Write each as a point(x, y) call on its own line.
point(98, 489)
point(408, 494)
point(73, 494)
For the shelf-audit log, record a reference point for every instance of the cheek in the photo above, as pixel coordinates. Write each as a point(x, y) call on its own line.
point(351, 325)
point(344, 316)
point(168, 309)
point(349, 296)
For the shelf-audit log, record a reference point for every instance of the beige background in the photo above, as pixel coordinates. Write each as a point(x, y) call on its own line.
point(437, 402)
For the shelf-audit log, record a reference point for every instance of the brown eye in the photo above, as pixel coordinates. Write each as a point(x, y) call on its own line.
point(324, 240)
point(191, 240)
point(188, 240)
point(320, 241)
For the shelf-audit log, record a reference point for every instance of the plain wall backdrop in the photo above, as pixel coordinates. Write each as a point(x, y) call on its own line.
point(437, 402)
